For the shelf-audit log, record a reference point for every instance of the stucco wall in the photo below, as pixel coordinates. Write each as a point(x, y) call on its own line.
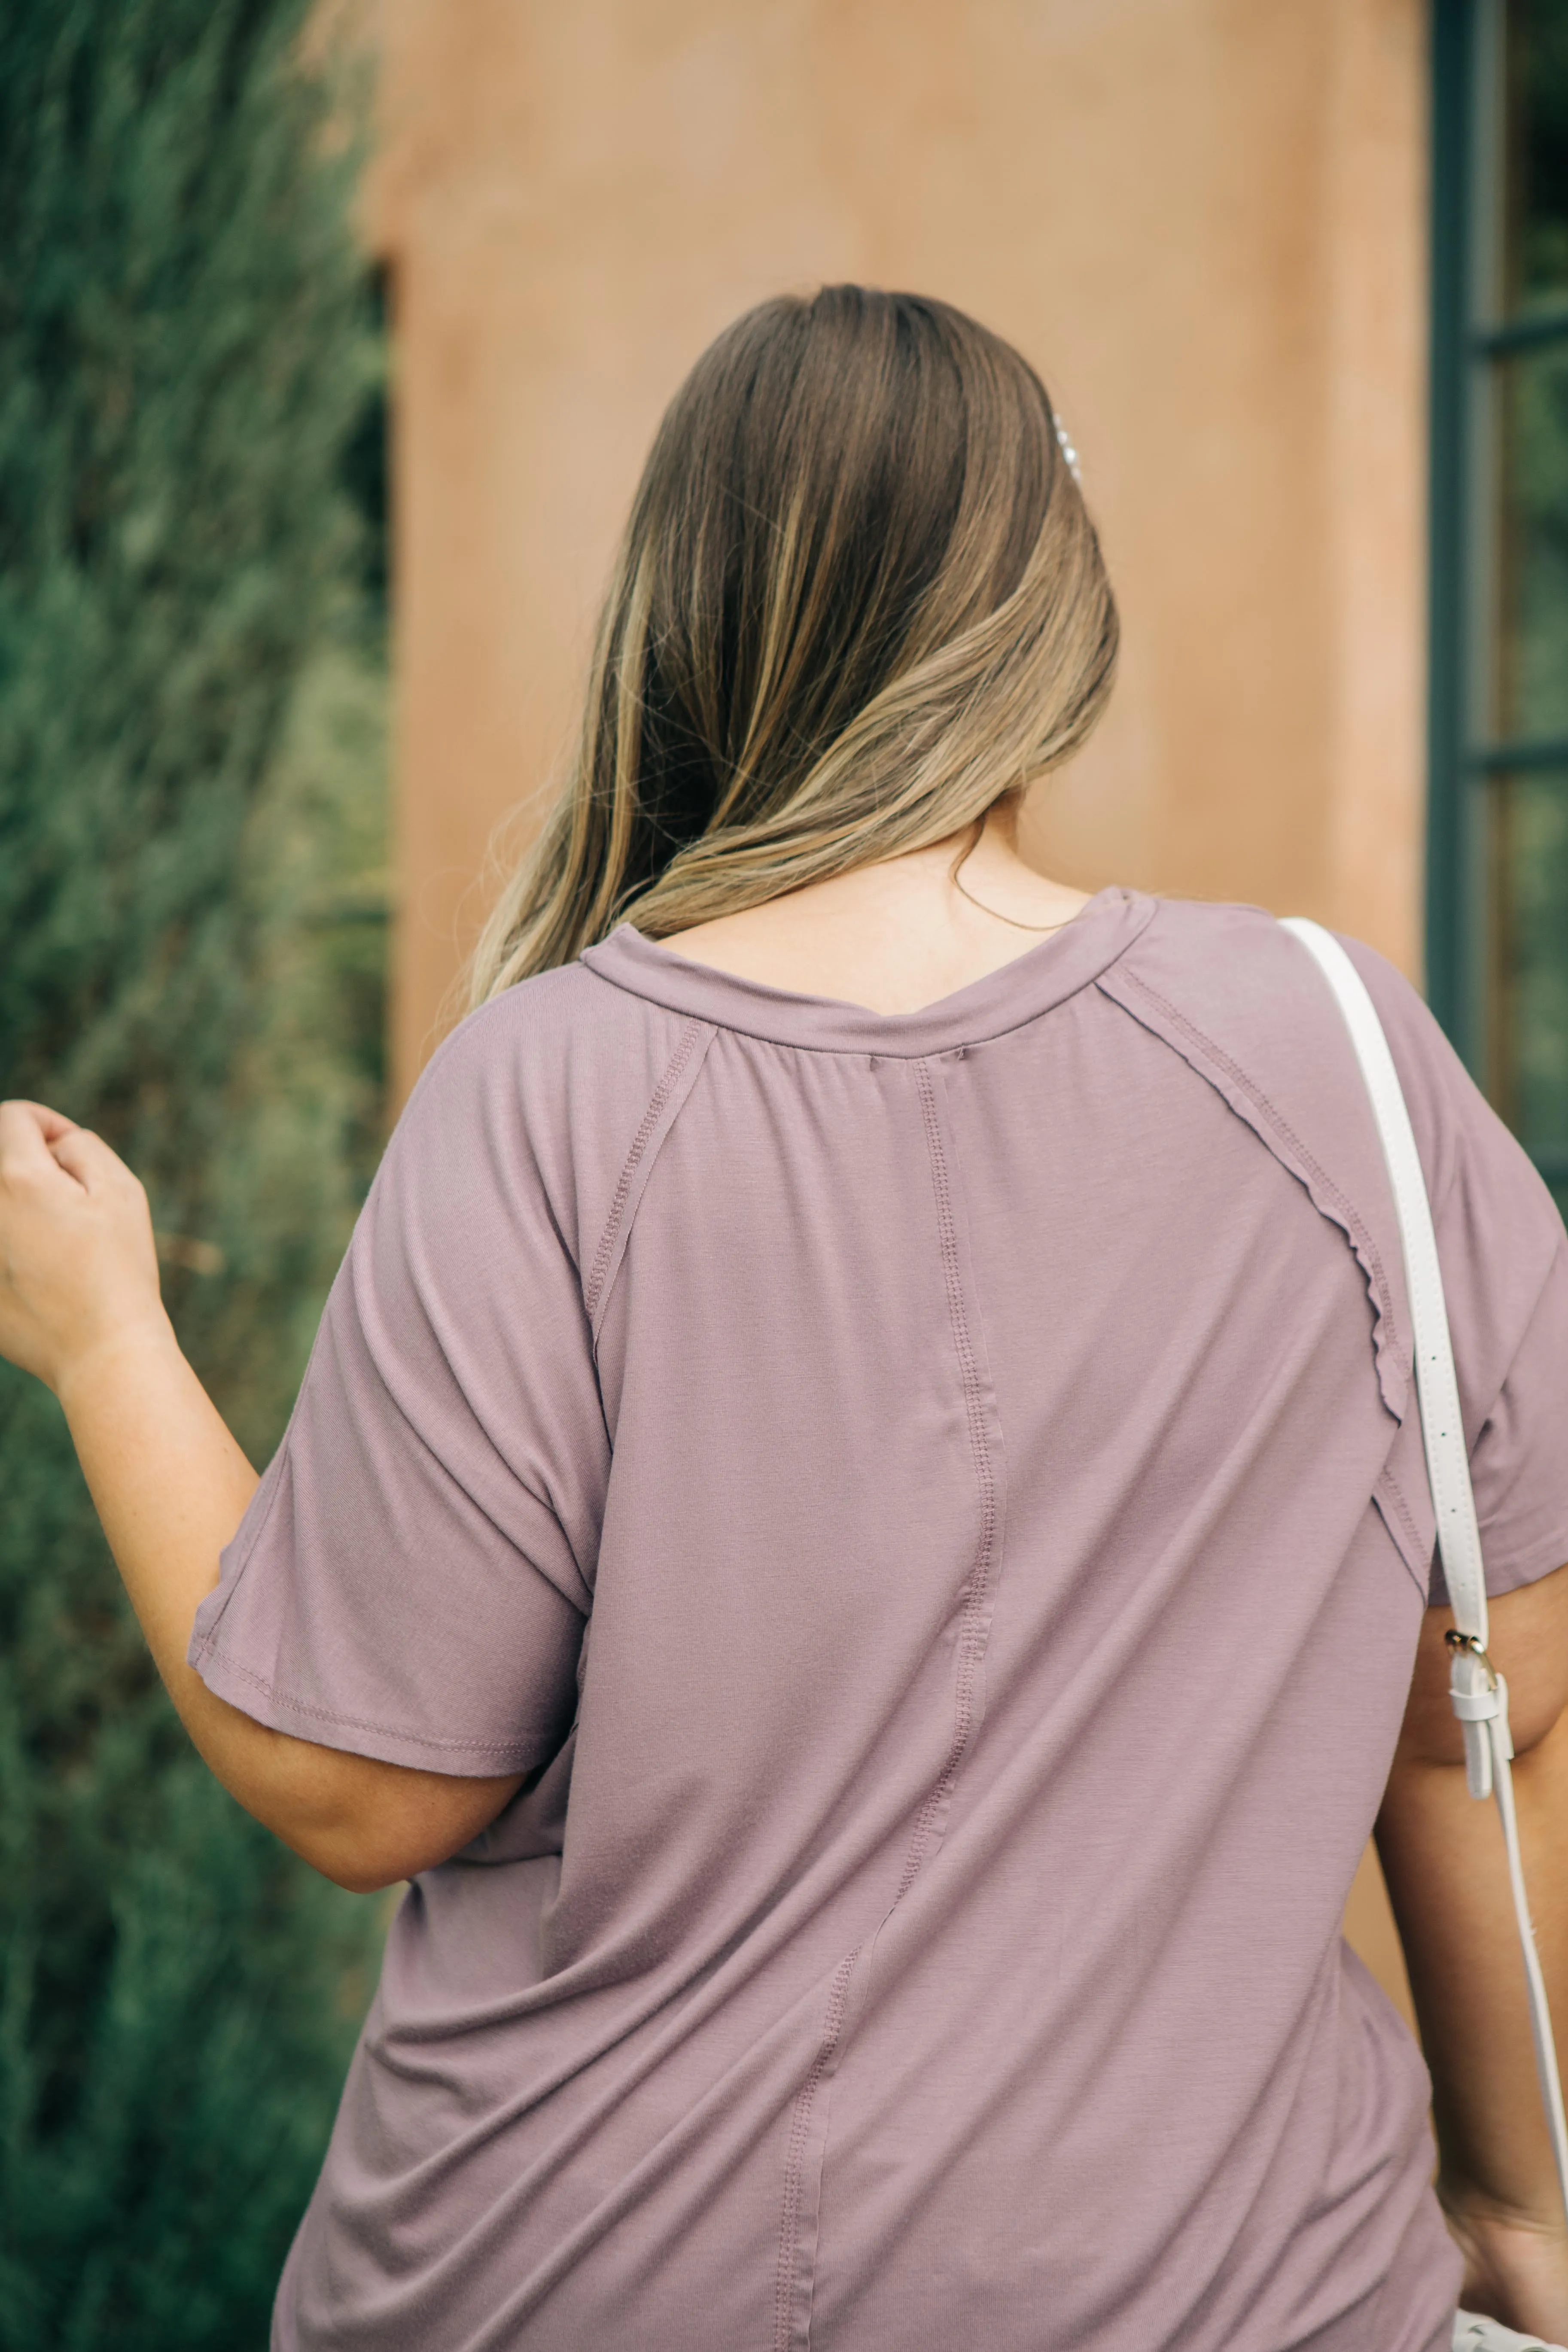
point(1200, 218)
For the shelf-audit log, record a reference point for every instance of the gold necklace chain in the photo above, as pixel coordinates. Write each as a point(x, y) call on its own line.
point(1011, 919)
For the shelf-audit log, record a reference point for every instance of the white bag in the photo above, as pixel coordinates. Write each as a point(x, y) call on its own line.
point(1473, 2334)
point(1478, 1691)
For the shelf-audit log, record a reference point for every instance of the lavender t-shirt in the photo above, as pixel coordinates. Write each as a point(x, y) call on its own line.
point(935, 1504)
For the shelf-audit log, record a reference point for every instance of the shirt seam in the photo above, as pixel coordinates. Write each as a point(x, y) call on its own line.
point(1282, 1128)
point(604, 1267)
point(972, 1643)
point(1387, 1489)
point(1401, 1504)
point(980, 1573)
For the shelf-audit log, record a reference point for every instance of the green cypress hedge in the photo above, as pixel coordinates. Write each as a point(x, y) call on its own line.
point(191, 713)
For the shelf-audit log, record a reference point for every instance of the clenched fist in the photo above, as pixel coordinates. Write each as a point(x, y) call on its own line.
point(77, 1265)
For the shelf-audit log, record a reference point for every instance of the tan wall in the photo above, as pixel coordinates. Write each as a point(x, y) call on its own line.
point(1200, 218)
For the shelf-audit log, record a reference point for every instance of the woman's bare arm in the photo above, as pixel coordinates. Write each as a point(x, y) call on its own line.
point(79, 1306)
point(1442, 1855)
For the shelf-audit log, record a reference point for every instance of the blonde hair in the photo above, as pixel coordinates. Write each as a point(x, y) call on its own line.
point(859, 601)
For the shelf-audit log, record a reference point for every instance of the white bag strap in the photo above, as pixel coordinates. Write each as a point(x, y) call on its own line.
point(1477, 1692)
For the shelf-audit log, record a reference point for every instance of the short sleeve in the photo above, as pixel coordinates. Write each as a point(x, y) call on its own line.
point(1518, 1464)
point(412, 1578)
point(1504, 1256)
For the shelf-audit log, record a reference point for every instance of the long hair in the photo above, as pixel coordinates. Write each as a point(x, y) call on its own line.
point(859, 600)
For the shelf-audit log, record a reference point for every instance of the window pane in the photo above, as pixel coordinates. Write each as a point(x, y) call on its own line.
point(1527, 1043)
point(1537, 154)
point(1531, 571)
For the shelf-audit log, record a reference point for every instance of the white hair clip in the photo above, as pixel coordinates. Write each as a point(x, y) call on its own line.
point(1068, 452)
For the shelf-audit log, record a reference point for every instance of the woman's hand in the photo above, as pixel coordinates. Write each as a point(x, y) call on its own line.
point(77, 1265)
point(1515, 2270)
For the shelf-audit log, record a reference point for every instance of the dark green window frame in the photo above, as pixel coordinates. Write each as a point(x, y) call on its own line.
point(1470, 757)
point(1452, 985)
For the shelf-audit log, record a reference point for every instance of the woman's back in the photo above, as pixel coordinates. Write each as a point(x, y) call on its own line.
point(879, 1459)
point(966, 1459)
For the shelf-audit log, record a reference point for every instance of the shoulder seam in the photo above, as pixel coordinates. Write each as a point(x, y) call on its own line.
point(1273, 1119)
point(694, 1034)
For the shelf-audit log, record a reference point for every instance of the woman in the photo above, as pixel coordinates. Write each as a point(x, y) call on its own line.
point(856, 1525)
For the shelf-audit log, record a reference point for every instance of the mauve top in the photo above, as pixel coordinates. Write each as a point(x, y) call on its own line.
point(934, 1504)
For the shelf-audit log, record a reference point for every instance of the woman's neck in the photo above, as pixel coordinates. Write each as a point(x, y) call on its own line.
point(896, 936)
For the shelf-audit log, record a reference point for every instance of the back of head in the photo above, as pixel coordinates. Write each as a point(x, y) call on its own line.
point(859, 600)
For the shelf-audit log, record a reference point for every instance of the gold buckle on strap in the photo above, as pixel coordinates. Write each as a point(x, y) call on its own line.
point(1470, 1641)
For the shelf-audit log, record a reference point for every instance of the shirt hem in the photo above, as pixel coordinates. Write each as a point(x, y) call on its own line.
point(1521, 1568)
point(254, 1695)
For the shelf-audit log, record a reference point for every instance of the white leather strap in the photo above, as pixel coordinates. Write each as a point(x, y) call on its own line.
point(1448, 1461)
point(1478, 1694)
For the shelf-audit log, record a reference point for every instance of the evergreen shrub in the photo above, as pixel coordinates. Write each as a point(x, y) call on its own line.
point(190, 716)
